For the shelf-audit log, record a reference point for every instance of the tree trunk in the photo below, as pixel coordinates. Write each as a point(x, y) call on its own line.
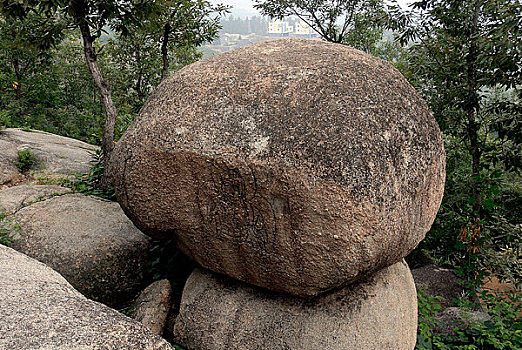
point(164, 50)
point(103, 87)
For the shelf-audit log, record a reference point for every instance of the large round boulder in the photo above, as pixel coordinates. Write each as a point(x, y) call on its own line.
point(89, 241)
point(218, 313)
point(294, 165)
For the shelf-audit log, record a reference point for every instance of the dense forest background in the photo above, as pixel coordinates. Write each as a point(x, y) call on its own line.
point(463, 57)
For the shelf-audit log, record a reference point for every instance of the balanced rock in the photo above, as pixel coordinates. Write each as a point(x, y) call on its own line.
point(89, 241)
point(219, 313)
point(40, 310)
point(294, 165)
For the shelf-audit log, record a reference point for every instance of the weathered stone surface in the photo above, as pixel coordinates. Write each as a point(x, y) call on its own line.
point(15, 198)
point(294, 165)
point(53, 153)
point(9, 173)
point(40, 310)
point(218, 313)
point(153, 305)
point(90, 242)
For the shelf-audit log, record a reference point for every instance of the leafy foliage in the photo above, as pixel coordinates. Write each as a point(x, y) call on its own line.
point(26, 159)
point(466, 63)
point(333, 20)
point(502, 331)
point(428, 306)
point(91, 183)
point(8, 229)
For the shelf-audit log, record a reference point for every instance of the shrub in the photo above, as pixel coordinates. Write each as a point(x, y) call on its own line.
point(4, 119)
point(90, 183)
point(26, 159)
point(7, 228)
point(503, 331)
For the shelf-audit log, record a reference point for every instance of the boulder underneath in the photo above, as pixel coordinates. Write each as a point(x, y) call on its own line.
point(219, 313)
point(40, 310)
point(276, 167)
point(89, 241)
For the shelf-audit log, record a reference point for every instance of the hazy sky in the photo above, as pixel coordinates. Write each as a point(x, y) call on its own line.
point(245, 7)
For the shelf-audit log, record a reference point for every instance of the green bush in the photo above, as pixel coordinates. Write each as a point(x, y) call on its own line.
point(428, 307)
point(90, 183)
point(503, 331)
point(4, 119)
point(7, 227)
point(26, 159)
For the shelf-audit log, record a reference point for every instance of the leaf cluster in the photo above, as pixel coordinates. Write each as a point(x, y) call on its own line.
point(91, 182)
point(8, 229)
point(26, 159)
point(502, 331)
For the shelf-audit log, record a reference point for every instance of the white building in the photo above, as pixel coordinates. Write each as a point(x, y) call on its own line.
point(278, 26)
point(303, 29)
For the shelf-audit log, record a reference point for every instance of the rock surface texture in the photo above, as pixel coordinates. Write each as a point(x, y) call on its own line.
point(15, 198)
point(218, 313)
point(153, 305)
point(54, 154)
point(295, 165)
point(9, 173)
point(90, 242)
point(40, 310)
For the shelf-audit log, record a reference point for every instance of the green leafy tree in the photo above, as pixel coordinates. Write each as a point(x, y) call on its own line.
point(185, 24)
point(365, 34)
point(333, 20)
point(466, 61)
point(90, 17)
point(20, 64)
point(133, 64)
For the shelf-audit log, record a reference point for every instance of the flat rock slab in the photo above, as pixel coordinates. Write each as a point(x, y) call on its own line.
point(90, 242)
point(218, 313)
point(272, 165)
point(15, 198)
point(39, 309)
point(54, 153)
